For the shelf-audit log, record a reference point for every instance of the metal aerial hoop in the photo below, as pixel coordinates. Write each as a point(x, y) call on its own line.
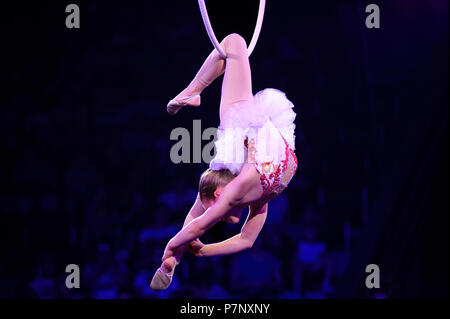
point(212, 36)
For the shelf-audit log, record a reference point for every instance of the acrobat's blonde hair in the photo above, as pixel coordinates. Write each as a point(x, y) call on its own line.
point(210, 180)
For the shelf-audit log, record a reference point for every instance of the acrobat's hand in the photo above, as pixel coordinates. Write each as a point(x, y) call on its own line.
point(169, 251)
point(195, 247)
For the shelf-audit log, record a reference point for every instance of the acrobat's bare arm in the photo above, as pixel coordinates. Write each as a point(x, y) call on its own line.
point(244, 240)
point(231, 196)
point(196, 210)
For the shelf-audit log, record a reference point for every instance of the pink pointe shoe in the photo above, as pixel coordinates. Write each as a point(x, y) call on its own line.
point(161, 280)
point(176, 104)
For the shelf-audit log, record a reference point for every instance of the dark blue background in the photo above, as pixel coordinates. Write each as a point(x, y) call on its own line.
point(87, 178)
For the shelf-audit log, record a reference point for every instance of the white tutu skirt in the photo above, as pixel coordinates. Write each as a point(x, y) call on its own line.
point(267, 121)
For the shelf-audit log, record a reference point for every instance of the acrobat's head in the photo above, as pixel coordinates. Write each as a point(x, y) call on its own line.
point(211, 186)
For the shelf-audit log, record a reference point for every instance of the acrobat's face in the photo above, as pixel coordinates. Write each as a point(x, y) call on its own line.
point(233, 217)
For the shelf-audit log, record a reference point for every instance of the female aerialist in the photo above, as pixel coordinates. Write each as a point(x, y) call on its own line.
point(254, 160)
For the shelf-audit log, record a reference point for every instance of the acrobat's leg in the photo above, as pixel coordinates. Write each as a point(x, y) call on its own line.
point(169, 264)
point(237, 81)
point(236, 68)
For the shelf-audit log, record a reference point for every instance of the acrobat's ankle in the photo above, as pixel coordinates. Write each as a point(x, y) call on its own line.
point(168, 265)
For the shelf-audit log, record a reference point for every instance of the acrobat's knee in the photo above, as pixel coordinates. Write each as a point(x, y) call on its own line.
point(234, 42)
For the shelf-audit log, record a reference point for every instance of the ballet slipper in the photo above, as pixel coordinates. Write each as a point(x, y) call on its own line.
point(176, 104)
point(161, 280)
